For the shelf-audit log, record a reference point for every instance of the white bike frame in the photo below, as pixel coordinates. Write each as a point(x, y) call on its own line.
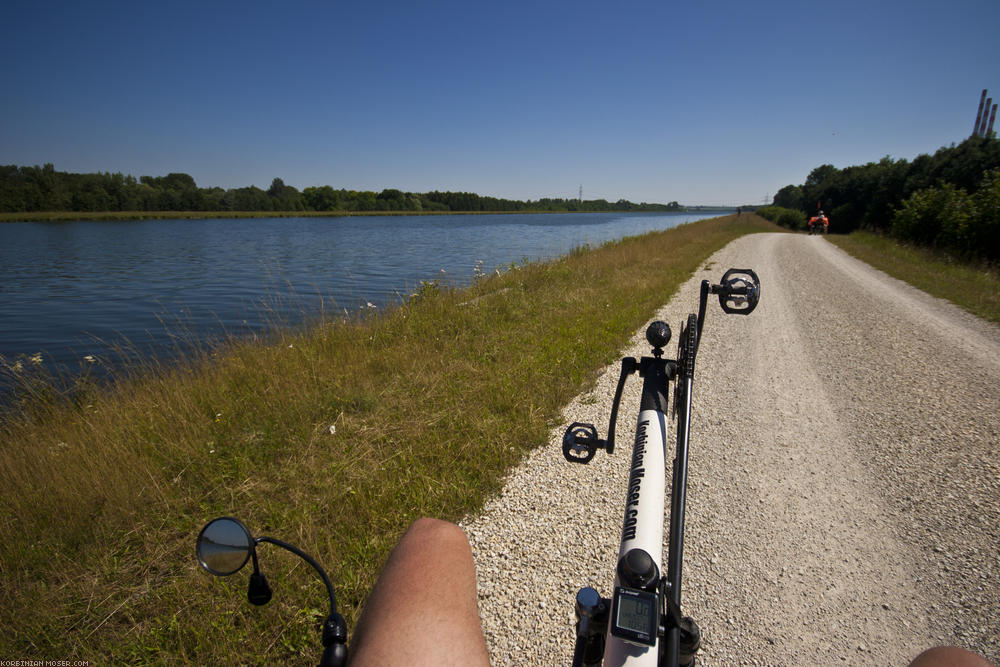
point(642, 527)
point(642, 524)
point(673, 637)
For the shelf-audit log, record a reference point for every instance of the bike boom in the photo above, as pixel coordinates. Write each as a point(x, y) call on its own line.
point(642, 623)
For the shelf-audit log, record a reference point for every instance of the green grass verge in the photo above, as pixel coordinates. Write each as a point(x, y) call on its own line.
point(432, 402)
point(974, 288)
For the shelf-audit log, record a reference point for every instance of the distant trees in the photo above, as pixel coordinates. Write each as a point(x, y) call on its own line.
point(246, 199)
point(24, 189)
point(949, 200)
point(790, 196)
point(45, 189)
point(283, 197)
point(322, 198)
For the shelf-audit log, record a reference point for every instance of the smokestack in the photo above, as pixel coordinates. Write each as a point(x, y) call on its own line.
point(993, 116)
point(979, 114)
point(986, 111)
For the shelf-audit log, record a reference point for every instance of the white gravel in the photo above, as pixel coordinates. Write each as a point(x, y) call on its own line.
point(844, 493)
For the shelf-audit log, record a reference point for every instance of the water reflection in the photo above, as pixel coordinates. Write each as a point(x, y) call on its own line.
point(224, 546)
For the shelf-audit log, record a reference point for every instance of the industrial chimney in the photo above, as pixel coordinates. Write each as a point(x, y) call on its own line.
point(985, 116)
point(979, 114)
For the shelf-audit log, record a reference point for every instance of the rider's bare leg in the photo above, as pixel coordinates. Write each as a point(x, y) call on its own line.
point(423, 609)
point(949, 656)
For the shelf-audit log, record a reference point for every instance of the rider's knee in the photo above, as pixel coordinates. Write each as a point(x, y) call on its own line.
point(435, 531)
point(949, 656)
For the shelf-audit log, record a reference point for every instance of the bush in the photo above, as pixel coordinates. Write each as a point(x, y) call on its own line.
point(986, 233)
point(792, 219)
point(920, 218)
point(949, 218)
point(958, 221)
point(847, 217)
point(769, 212)
point(785, 217)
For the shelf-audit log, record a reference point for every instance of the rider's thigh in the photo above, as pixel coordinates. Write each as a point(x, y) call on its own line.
point(423, 609)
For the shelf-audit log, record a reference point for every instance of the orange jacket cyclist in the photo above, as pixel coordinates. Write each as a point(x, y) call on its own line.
point(820, 218)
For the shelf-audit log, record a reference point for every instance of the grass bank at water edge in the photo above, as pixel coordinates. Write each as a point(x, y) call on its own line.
point(976, 288)
point(334, 438)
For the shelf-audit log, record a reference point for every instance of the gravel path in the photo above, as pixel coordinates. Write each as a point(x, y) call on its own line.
point(844, 493)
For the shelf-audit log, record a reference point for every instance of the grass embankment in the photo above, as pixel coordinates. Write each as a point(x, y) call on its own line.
point(431, 402)
point(974, 288)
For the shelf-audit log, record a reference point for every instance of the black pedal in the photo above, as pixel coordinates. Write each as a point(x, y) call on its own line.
point(580, 442)
point(739, 292)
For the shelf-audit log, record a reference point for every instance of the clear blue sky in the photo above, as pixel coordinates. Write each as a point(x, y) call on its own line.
point(715, 102)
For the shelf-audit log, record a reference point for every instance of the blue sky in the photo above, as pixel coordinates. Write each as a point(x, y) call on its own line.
point(699, 102)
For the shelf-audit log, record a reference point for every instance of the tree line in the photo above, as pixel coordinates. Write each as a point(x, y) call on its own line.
point(949, 200)
point(28, 189)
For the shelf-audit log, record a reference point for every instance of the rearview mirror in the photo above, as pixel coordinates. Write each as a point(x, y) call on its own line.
point(224, 546)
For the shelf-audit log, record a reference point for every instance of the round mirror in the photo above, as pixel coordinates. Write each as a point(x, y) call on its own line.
point(224, 546)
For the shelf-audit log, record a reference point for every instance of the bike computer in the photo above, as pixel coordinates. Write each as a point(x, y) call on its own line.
point(635, 616)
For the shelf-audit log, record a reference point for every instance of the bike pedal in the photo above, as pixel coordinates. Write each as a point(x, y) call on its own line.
point(580, 442)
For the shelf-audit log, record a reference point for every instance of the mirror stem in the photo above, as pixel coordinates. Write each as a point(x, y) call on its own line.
point(307, 558)
point(258, 590)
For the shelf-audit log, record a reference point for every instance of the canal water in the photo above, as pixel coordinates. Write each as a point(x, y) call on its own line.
point(75, 291)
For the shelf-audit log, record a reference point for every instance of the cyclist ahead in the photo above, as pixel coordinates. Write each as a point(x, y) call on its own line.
point(820, 219)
